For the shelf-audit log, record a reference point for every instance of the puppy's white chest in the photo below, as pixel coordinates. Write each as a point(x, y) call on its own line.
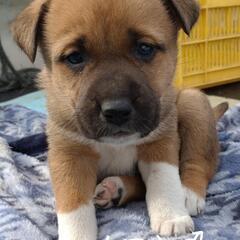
point(117, 161)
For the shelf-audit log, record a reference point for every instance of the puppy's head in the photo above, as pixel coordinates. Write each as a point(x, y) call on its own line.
point(108, 62)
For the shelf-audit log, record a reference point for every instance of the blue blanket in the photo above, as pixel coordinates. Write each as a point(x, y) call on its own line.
point(27, 202)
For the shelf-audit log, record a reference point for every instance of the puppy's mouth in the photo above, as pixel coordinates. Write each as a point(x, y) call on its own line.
point(117, 133)
point(120, 134)
point(121, 138)
point(101, 130)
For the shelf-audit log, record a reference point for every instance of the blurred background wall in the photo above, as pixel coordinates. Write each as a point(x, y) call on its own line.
point(8, 10)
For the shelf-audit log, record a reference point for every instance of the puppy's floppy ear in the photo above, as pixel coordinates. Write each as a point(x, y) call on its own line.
point(26, 28)
point(184, 13)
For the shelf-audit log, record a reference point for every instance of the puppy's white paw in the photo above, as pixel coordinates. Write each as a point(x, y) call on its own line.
point(109, 193)
point(194, 203)
point(173, 227)
point(79, 224)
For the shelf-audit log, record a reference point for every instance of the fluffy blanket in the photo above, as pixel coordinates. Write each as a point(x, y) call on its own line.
point(27, 202)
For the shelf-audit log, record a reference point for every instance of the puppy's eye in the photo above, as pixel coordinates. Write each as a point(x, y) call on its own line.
point(76, 58)
point(145, 51)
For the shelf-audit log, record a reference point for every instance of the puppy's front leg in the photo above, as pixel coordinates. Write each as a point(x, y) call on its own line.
point(73, 171)
point(165, 196)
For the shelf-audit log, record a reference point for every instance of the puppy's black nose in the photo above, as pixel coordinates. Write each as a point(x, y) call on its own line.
point(117, 112)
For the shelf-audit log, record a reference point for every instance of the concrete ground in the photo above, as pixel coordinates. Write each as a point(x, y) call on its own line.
point(215, 100)
point(229, 90)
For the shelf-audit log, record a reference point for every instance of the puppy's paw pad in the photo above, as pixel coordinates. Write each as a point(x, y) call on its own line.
point(194, 203)
point(175, 227)
point(109, 192)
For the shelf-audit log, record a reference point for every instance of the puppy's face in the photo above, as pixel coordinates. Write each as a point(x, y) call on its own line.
point(108, 63)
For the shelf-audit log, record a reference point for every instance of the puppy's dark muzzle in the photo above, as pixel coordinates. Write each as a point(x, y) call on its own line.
point(119, 104)
point(117, 112)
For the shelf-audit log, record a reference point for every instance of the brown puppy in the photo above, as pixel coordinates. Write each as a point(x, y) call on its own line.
point(112, 107)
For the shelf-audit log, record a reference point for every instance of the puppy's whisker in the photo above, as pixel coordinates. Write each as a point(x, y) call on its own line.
point(144, 127)
point(69, 123)
point(100, 132)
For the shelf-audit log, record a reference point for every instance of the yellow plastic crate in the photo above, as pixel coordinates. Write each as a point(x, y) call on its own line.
point(211, 55)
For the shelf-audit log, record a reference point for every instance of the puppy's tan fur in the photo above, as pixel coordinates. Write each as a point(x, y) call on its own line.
point(187, 126)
